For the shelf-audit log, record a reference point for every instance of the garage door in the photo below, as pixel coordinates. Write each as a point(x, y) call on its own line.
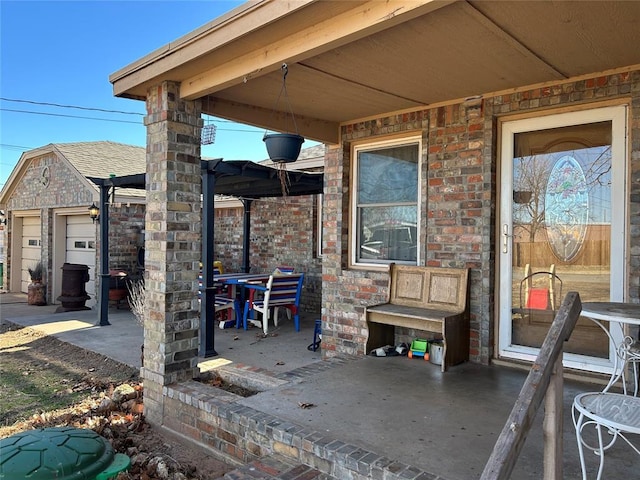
point(31, 249)
point(81, 249)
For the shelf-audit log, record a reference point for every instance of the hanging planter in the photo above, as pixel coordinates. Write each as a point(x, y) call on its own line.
point(283, 147)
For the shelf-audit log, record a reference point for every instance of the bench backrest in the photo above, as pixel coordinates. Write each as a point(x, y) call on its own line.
point(429, 287)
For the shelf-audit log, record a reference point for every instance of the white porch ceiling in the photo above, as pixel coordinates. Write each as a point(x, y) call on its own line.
point(351, 60)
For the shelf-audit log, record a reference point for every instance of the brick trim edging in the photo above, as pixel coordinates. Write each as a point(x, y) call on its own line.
point(213, 419)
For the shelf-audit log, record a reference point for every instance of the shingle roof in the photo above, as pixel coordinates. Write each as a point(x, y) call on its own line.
point(101, 159)
point(312, 152)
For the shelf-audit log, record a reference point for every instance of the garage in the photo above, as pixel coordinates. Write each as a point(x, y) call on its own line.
point(81, 249)
point(46, 201)
point(30, 249)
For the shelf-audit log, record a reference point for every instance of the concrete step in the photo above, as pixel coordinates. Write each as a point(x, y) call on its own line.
point(275, 468)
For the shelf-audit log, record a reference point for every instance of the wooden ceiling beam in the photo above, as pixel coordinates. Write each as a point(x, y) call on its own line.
point(362, 20)
point(312, 128)
point(216, 34)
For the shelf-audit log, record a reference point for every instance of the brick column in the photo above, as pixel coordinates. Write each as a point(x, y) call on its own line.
point(173, 236)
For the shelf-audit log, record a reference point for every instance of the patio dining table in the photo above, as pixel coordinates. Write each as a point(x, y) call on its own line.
point(233, 281)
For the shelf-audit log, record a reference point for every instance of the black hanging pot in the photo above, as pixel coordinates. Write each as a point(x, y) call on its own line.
point(522, 197)
point(283, 147)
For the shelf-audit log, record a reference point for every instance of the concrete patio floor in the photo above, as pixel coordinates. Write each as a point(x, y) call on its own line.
point(400, 408)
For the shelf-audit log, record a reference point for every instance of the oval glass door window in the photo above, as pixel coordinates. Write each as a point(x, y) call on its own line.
point(566, 208)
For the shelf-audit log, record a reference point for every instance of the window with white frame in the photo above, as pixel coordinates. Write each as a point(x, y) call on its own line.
point(384, 223)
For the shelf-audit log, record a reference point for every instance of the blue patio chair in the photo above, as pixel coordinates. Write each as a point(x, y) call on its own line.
point(281, 291)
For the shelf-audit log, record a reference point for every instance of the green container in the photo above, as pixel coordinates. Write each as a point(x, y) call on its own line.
point(61, 453)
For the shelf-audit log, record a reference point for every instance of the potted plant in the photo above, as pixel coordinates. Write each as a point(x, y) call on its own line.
point(36, 291)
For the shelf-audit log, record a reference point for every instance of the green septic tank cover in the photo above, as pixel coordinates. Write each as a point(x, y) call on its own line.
point(60, 453)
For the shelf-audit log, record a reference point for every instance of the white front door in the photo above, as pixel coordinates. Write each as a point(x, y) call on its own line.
point(562, 215)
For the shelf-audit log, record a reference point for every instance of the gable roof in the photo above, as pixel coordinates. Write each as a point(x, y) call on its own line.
point(96, 159)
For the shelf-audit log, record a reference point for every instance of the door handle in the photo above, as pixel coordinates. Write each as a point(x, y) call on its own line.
point(505, 238)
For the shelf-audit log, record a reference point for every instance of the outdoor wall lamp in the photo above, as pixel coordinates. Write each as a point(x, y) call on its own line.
point(94, 213)
point(3, 218)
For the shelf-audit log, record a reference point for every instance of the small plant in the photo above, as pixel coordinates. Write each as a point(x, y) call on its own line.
point(36, 272)
point(137, 299)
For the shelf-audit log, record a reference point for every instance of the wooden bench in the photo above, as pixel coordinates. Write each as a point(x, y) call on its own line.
point(433, 299)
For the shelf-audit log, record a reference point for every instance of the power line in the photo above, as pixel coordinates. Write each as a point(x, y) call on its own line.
point(31, 112)
point(32, 102)
point(14, 147)
point(68, 116)
point(58, 105)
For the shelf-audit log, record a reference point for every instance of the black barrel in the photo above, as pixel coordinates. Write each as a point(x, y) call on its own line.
point(74, 294)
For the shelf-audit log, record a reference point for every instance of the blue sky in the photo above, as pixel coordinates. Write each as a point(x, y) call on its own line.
point(62, 52)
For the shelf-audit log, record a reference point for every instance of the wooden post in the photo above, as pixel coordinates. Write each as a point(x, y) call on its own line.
point(553, 424)
point(514, 433)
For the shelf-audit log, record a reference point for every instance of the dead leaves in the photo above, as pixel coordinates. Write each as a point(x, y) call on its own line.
point(94, 412)
point(306, 405)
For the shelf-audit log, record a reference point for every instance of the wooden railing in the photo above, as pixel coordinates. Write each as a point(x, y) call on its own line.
point(543, 382)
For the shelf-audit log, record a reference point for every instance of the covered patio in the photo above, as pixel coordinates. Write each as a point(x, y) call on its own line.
point(443, 80)
point(413, 419)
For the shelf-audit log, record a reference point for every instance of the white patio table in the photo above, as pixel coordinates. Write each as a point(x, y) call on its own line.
point(620, 316)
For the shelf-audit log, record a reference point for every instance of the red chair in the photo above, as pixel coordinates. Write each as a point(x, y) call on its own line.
point(540, 293)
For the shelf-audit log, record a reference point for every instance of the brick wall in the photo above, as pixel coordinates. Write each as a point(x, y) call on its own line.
point(283, 232)
point(126, 222)
point(30, 193)
point(459, 194)
point(228, 238)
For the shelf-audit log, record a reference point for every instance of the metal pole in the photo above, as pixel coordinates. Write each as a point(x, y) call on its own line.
point(207, 296)
point(246, 241)
point(103, 314)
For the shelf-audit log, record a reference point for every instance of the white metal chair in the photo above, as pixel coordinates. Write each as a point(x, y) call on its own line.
point(611, 414)
point(281, 291)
